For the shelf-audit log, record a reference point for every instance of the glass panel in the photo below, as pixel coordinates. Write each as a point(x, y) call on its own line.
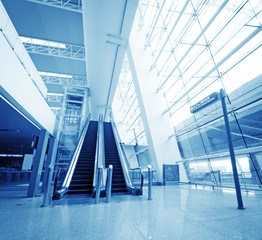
point(196, 52)
point(257, 158)
point(126, 110)
point(224, 168)
point(248, 174)
point(199, 172)
point(250, 121)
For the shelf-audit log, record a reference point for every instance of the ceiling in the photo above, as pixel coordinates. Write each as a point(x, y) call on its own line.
point(101, 27)
point(95, 37)
point(107, 26)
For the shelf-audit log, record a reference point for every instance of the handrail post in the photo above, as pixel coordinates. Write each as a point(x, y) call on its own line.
point(109, 183)
point(100, 151)
point(98, 186)
point(150, 178)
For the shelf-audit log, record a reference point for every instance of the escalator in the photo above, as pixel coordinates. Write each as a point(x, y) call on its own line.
point(112, 158)
point(82, 179)
point(97, 150)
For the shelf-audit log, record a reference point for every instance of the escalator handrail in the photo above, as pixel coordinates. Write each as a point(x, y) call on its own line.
point(122, 156)
point(75, 156)
point(100, 151)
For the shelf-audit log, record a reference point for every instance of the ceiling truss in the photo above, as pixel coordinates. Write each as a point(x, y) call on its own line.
point(63, 4)
point(74, 52)
point(75, 81)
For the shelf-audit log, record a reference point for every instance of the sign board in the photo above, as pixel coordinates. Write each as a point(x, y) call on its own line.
point(27, 163)
point(170, 173)
point(204, 102)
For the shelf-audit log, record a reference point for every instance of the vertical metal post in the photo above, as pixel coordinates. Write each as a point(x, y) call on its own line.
point(164, 174)
point(98, 186)
point(231, 150)
point(38, 163)
point(109, 183)
point(51, 157)
point(46, 164)
point(150, 176)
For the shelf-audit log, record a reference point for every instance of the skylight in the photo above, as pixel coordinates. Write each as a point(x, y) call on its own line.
point(42, 42)
point(55, 75)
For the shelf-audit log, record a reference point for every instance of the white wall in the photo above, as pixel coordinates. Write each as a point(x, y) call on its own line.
point(19, 89)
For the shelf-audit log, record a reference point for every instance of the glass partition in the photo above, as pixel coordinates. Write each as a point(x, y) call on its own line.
point(200, 47)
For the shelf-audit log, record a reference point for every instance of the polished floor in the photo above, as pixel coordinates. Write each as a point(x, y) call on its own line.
point(176, 212)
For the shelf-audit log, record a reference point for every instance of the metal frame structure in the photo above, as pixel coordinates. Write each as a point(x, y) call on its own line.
point(75, 81)
point(196, 47)
point(126, 110)
point(70, 51)
point(54, 98)
point(70, 5)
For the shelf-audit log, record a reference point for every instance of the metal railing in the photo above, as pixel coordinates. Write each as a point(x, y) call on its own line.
point(100, 155)
point(125, 165)
point(73, 162)
point(108, 185)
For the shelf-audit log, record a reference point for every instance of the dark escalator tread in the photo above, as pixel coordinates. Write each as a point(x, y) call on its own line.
point(112, 158)
point(82, 191)
point(82, 180)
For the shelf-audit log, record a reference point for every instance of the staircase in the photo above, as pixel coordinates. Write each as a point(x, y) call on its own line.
point(112, 158)
point(82, 180)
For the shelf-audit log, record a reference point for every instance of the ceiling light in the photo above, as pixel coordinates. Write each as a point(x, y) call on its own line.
point(55, 75)
point(42, 42)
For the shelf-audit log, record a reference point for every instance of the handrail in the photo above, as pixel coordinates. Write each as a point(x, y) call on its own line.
point(99, 187)
point(99, 179)
point(122, 156)
point(124, 163)
point(100, 156)
point(75, 156)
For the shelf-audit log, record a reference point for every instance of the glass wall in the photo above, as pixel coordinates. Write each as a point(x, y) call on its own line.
point(200, 47)
point(126, 110)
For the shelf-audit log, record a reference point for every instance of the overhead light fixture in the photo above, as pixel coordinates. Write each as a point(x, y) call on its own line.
point(11, 155)
point(55, 94)
point(41, 42)
point(50, 74)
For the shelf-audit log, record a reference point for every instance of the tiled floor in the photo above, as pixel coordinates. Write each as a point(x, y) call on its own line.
point(176, 212)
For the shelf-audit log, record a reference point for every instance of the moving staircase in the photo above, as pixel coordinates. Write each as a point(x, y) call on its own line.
point(85, 162)
point(82, 180)
point(112, 158)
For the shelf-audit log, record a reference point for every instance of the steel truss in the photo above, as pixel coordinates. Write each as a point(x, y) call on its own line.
point(75, 81)
point(54, 98)
point(70, 51)
point(75, 6)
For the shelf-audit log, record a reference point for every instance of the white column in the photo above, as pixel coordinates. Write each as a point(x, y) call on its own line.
point(158, 127)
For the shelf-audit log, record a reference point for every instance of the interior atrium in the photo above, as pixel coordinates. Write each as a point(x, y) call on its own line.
point(130, 119)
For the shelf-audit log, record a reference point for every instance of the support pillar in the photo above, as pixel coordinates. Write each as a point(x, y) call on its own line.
point(50, 159)
point(231, 151)
point(49, 170)
point(38, 163)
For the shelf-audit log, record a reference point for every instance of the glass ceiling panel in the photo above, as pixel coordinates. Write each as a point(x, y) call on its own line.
point(200, 45)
